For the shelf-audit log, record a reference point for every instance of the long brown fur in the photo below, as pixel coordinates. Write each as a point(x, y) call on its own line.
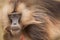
point(41, 18)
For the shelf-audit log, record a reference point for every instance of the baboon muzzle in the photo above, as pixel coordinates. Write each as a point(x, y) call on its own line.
point(15, 26)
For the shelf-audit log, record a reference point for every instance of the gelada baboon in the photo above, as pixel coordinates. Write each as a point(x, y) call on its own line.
point(31, 20)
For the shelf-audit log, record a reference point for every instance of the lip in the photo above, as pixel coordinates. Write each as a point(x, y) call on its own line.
point(16, 29)
point(16, 32)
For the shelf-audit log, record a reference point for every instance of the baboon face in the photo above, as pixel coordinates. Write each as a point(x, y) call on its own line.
point(15, 26)
point(16, 19)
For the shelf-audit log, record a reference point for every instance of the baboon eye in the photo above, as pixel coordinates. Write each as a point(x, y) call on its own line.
point(14, 16)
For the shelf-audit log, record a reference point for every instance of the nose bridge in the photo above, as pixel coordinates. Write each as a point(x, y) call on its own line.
point(15, 18)
point(15, 21)
point(15, 24)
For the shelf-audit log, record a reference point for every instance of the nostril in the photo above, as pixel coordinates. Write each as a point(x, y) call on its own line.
point(14, 23)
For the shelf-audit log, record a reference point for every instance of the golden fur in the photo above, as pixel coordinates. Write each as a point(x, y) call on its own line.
point(34, 12)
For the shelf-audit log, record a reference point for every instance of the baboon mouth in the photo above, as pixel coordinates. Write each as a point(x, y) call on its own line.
point(14, 31)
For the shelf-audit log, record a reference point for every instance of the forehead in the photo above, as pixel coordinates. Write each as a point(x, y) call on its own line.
point(19, 8)
point(9, 8)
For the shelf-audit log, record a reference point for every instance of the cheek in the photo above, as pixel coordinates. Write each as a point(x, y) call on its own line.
point(5, 22)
